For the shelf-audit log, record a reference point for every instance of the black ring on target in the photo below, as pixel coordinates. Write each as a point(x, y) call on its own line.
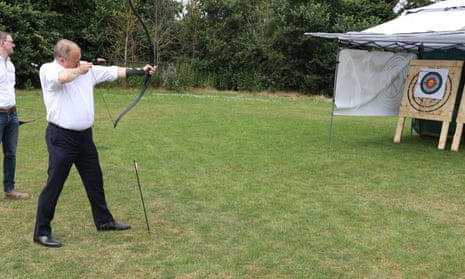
point(431, 83)
point(417, 102)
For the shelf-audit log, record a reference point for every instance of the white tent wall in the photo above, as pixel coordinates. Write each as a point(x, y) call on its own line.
point(370, 83)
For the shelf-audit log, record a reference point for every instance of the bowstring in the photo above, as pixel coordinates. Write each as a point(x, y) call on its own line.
point(108, 109)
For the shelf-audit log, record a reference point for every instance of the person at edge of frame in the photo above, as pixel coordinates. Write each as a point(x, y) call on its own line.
point(68, 91)
point(9, 121)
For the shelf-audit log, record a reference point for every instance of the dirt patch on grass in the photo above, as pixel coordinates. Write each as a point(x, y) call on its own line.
point(291, 95)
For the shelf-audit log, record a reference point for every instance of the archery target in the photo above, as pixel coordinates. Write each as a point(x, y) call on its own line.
point(431, 83)
point(429, 92)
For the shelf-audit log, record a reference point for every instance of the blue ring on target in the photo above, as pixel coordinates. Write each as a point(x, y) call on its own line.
point(431, 83)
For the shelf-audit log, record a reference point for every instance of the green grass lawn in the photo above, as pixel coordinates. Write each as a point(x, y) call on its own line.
point(243, 186)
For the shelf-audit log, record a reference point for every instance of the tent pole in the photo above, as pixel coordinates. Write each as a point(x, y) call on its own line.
point(334, 98)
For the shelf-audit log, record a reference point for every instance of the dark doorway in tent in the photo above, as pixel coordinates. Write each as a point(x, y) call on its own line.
point(432, 128)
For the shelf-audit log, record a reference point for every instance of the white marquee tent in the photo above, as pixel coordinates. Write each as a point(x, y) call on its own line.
point(372, 64)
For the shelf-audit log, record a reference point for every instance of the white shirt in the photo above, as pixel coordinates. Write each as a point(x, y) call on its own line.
point(71, 105)
point(7, 83)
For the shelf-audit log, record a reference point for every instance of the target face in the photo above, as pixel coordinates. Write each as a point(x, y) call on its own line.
point(429, 85)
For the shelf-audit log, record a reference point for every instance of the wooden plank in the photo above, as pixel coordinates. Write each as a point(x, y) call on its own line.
point(400, 127)
point(457, 136)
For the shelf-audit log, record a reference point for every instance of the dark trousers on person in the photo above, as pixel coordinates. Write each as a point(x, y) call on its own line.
point(65, 148)
point(9, 130)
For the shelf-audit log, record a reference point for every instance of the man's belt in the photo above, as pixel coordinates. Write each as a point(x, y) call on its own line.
point(69, 130)
point(10, 110)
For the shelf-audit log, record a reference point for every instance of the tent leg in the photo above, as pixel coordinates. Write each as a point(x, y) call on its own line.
point(331, 124)
point(334, 98)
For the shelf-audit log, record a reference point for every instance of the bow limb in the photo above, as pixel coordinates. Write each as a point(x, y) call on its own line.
point(134, 103)
point(23, 122)
point(150, 60)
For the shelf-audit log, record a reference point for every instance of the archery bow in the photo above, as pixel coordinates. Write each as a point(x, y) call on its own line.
point(150, 60)
point(23, 122)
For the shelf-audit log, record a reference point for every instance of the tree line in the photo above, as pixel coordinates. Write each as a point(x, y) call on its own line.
point(246, 45)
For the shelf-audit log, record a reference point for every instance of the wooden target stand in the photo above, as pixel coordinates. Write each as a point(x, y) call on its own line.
point(428, 108)
point(459, 127)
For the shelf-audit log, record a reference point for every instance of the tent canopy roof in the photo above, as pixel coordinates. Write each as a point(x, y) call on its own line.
point(412, 41)
point(436, 26)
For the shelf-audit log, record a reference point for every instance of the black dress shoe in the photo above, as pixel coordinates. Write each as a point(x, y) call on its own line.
point(47, 240)
point(113, 226)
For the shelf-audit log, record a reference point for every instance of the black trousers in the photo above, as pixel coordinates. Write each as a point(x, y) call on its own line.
point(65, 148)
